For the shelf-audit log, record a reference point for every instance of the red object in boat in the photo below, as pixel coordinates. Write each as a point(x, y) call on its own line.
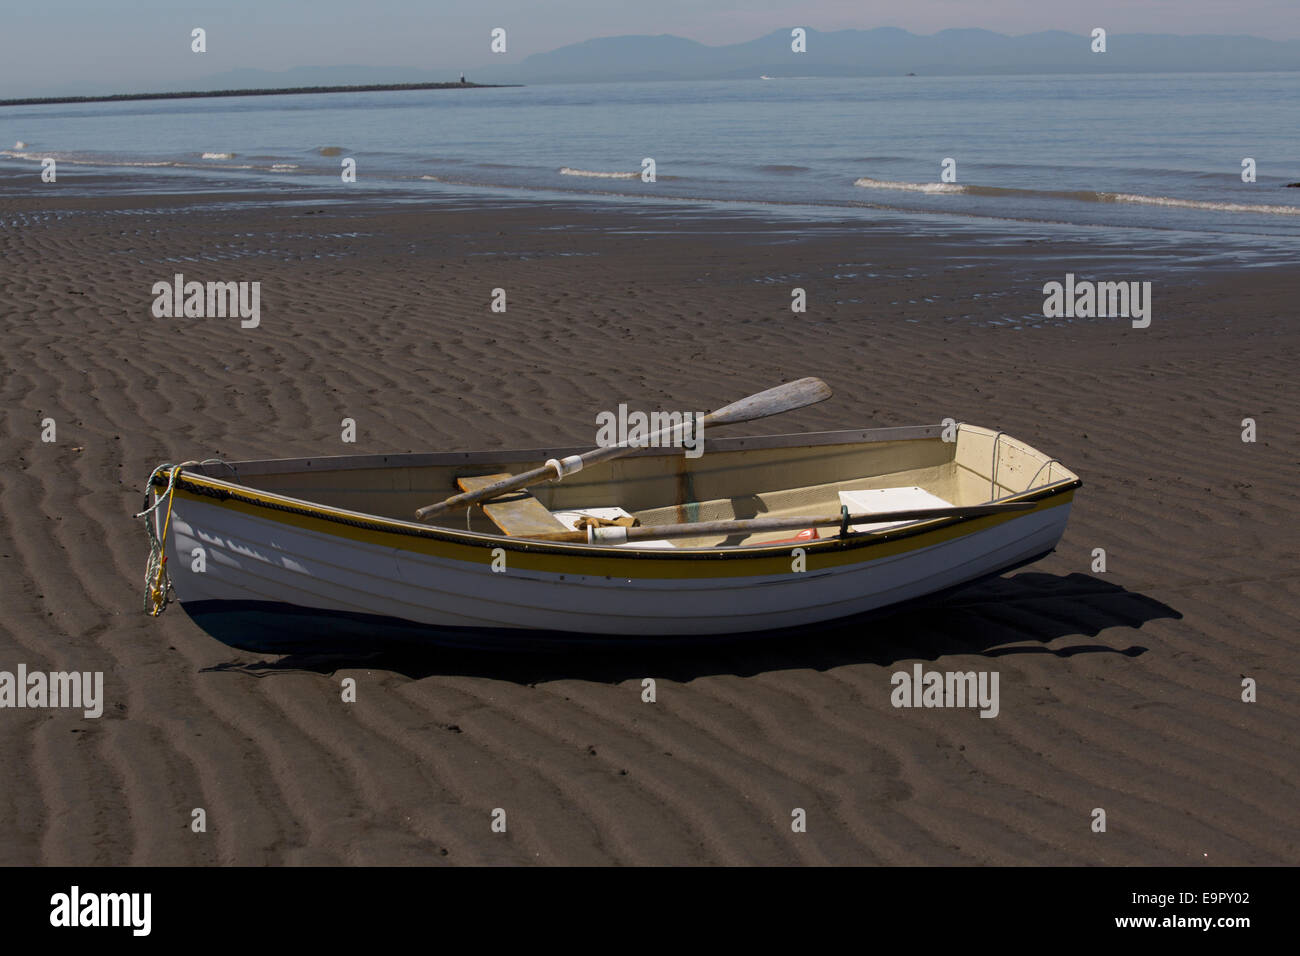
point(807, 534)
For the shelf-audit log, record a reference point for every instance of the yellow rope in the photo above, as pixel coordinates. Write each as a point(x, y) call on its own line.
point(157, 583)
point(158, 590)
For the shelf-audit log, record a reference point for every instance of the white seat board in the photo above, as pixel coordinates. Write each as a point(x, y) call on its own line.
point(876, 500)
point(570, 520)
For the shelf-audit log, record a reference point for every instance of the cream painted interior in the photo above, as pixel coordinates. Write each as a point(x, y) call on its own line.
point(669, 488)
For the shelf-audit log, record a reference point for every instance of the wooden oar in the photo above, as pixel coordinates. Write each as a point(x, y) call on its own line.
point(748, 526)
point(773, 401)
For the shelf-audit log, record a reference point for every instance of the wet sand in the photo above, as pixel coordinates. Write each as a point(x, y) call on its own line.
point(1119, 690)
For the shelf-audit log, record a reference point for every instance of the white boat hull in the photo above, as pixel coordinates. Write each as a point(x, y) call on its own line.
point(239, 568)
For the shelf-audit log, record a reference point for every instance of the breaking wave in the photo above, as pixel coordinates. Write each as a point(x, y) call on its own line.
point(595, 174)
point(868, 183)
point(1081, 195)
point(74, 160)
point(1198, 204)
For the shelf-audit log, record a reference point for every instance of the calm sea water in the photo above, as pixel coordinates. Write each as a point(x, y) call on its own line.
point(1157, 153)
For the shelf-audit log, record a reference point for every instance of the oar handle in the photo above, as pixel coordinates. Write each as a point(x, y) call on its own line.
point(552, 469)
point(555, 468)
point(497, 488)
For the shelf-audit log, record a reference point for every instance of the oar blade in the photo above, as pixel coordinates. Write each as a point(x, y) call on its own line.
point(773, 401)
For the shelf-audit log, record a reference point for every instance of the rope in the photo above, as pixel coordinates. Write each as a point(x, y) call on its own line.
point(158, 591)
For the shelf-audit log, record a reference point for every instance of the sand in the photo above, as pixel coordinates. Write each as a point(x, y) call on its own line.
point(1120, 690)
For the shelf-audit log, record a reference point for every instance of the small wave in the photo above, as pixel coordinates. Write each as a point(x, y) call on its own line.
point(868, 183)
point(331, 150)
point(283, 167)
point(593, 174)
point(70, 161)
point(218, 156)
point(1198, 204)
point(782, 168)
point(1084, 195)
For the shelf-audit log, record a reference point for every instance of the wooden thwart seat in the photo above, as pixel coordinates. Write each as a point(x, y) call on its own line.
point(516, 513)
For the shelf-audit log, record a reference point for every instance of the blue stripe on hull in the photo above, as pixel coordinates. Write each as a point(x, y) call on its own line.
point(273, 627)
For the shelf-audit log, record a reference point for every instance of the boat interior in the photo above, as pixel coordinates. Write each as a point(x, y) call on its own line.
point(771, 476)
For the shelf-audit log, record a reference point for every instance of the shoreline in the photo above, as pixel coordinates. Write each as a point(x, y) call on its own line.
point(1153, 252)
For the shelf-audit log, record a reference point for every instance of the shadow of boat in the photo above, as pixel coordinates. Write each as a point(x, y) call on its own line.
point(1019, 614)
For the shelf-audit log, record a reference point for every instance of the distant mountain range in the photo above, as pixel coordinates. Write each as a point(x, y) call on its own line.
point(890, 52)
point(886, 51)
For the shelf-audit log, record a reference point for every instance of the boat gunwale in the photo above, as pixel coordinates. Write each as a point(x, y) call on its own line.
point(209, 486)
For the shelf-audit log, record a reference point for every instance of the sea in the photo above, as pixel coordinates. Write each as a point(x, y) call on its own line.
point(1134, 159)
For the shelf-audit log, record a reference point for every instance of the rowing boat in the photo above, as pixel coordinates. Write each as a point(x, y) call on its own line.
point(758, 534)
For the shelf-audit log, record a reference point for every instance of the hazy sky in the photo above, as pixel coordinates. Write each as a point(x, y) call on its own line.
point(50, 47)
